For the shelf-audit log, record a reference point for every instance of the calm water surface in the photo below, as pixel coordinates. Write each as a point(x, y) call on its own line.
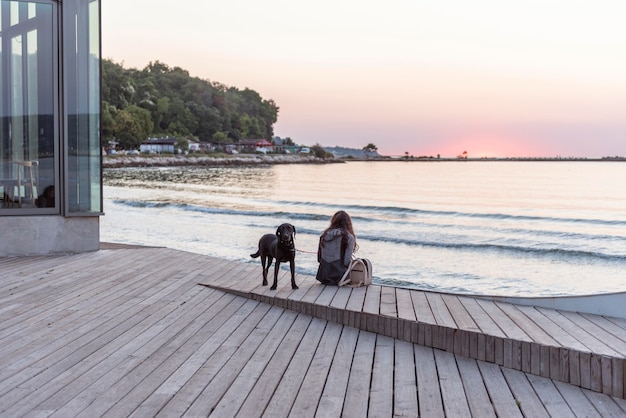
point(502, 228)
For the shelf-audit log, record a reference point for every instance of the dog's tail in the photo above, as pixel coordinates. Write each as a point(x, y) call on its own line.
point(255, 255)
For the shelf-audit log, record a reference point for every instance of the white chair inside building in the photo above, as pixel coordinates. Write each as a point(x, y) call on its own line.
point(22, 189)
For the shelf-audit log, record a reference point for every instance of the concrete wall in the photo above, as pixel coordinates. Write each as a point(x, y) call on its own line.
point(40, 235)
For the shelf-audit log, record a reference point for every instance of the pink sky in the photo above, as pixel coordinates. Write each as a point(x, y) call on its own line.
point(517, 78)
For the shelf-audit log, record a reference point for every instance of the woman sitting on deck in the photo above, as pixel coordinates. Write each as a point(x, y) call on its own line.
point(337, 244)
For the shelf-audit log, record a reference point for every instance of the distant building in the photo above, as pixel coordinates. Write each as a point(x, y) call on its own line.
point(194, 146)
point(254, 145)
point(158, 146)
point(50, 148)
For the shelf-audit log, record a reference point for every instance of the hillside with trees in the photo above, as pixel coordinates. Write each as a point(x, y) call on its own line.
point(161, 101)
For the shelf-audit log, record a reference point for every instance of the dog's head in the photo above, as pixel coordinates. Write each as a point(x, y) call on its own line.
point(286, 233)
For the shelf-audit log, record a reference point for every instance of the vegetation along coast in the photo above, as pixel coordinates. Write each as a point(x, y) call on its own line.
point(171, 160)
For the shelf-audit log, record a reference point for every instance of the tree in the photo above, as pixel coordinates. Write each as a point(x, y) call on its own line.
point(370, 149)
point(320, 152)
point(181, 105)
point(221, 138)
point(107, 121)
point(182, 144)
point(132, 126)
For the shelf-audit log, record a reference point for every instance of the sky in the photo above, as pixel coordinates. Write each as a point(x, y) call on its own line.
point(495, 78)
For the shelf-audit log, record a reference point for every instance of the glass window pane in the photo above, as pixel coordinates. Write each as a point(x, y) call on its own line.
point(82, 75)
point(28, 136)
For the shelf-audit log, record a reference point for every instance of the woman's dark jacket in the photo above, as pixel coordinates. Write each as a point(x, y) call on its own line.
point(333, 264)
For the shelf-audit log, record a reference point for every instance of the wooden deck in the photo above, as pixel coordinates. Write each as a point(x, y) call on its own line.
point(131, 332)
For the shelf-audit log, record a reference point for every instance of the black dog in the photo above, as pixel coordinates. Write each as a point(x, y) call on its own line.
point(281, 247)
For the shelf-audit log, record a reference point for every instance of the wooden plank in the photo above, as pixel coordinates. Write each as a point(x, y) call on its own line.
point(248, 281)
point(338, 312)
point(388, 324)
point(309, 298)
point(605, 405)
point(405, 383)
point(357, 395)
point(162, 373)
point(475, 391)
point(508, 326)
point(323, 302)
point(307, 400)
point(262, 374)
point(291, 381)
point(340, 301)
point(381, 398)
point(454, 400)
point(91, 345)
point(104, 361)
point(423, 312)
point(524, 394)
point(407, 325)
point(219, 385)
point(443, 334)
point(429, 394)
point(294, 298)
point(465, 323)
point(371, 309)
point(47, 292)
point(618, 377)
point(585, 338)
point(440, 310)
point(503, 400)
point(562, 337)
point(388, 305)
point(184, 385)
point(598, 332)
point(49, 277)
point(577, 400)
point(550, 397)
point(461, 317)
point(532, 332)
point(93, 286)
point(371, 304)
point(332, 399)
point(614, 326)
point(133, 336)
point(596, 373)
point(405, 305)
point(265, 293)
point(354, 307)
point(621, 403)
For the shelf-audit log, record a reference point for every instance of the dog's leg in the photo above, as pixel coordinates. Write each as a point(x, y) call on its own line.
point(276, 269)
point(266, 262)
point(292, 267)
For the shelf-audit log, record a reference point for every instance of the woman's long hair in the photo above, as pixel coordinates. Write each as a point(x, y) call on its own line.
point(341, 220)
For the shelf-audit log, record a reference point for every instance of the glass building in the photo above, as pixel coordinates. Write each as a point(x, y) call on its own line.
point(50, 153)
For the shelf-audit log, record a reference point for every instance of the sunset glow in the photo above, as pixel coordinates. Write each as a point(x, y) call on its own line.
point(418, 77)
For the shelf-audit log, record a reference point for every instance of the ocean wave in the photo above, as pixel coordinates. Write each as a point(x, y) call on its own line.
point(369, 215)
point(386, 226)
point(560, 253)
point(404, 211)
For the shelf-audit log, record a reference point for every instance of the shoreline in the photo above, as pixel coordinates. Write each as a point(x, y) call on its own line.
point(123, 161)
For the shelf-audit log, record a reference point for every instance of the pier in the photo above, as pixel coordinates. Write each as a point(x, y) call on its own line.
point(144, 331)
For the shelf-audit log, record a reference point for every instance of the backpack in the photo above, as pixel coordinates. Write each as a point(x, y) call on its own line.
point(359, 273)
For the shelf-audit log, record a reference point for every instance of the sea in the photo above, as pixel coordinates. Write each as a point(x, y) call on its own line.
point(508, 228)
